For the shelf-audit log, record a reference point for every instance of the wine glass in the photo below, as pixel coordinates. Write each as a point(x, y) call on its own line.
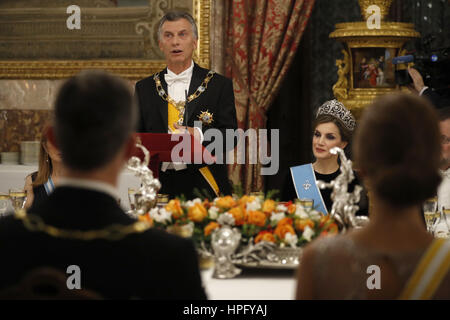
point(307, 204)
point(132, 198)
point(18, 198)
point(429, 211)
point(162, 200)
point(4, 197)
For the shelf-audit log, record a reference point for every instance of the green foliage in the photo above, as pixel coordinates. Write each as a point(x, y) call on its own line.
point(271, 194)
point(203, 194)
point(238, 190)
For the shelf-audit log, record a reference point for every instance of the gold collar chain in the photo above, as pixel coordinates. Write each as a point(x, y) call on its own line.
point(181, 104)
point(112, 232)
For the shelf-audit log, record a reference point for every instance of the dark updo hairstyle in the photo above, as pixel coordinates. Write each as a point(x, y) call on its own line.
point(346, 134)
point(397, 146)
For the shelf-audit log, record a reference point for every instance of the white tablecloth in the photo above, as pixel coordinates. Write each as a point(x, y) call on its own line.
point(13, 176)
point(251, 285)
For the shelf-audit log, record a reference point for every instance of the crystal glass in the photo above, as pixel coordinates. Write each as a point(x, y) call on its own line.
point(306, 203)
point(162, 200)
point(132, 198)
point(4, 199)
point(18, 198)
point(430, 212)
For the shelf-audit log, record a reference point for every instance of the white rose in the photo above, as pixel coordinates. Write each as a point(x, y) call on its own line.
point(281, 207)
point(254, 205)
point(213, 212)
point(308, 233)
point(226, 219)
point(291, 239)
point(276, 217)
point(191, 203)
point(300, 212)
point(161, 215)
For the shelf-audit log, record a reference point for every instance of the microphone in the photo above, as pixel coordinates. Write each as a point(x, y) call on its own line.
point(403, 59)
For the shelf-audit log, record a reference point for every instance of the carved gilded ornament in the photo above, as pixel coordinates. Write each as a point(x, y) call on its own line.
point(384, 6)
point(341, 86)
point(357, 38)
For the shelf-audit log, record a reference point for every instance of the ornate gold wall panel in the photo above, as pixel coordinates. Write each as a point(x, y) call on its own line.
point(366, 70)
point(36, 44)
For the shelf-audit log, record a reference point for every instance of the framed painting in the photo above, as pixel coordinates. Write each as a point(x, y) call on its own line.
point(119, 36)
point(373, 68)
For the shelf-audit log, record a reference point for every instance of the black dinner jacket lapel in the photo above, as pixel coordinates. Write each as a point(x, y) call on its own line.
point(162, 104)
point(198, 74)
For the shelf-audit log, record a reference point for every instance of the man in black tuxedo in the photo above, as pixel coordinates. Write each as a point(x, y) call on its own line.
point(163, 107)
point(94, 123)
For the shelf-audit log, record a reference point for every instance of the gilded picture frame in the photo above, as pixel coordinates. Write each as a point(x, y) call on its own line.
point(142, 29)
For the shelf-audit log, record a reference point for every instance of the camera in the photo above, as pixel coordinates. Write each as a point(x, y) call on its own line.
point(432, 63)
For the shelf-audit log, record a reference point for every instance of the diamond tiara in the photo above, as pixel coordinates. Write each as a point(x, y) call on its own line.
point(339, 111)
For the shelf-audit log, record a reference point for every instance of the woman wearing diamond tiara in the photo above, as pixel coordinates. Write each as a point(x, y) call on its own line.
point(397, 148)
point(333, 127)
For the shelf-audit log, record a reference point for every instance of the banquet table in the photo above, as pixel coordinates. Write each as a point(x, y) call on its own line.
point(13, 176)
point(251, 284)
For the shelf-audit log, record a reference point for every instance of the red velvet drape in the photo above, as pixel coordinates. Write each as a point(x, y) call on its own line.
point(262, 39)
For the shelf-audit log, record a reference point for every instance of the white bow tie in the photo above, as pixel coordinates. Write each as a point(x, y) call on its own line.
point(171, 79)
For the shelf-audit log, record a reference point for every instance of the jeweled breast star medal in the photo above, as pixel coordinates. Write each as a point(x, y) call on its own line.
point(206, 117)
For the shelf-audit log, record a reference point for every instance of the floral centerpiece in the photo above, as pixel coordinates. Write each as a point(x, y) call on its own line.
point(285, 224)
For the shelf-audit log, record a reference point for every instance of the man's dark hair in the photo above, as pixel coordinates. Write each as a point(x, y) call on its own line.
point(94, 116)
point(444, 114)
point(175, 16)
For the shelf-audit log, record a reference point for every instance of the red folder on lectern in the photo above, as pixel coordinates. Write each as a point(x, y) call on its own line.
point(162, 146)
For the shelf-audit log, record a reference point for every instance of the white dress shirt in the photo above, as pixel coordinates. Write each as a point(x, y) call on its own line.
point(444, 190)
point(90, 185)
point(178, 88)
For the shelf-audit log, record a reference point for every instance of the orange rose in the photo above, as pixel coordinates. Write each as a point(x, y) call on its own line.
point(257, 218)
point(300, 224)
point(282, 229)
point(268, 206)
point(197, 212)
point(291, 208)
point(238, 214)
point(246, 199)
point(225, 202)
point(206, 203)
point(285, 221)
point(174, 207)
point(210, 227)
point(265, 236)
